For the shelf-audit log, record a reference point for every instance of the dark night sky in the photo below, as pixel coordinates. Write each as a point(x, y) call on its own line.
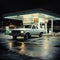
point(7, 6)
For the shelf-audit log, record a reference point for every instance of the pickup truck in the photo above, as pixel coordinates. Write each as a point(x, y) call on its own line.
point(26, 31)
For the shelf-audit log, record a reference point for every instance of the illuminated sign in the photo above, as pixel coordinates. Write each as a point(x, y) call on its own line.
point(35, 19)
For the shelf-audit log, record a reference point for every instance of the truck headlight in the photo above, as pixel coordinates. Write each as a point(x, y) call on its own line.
point(10, 31)
point(22, 31)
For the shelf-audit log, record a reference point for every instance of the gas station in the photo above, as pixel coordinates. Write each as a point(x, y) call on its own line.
point(35, 16)
point(45, 47)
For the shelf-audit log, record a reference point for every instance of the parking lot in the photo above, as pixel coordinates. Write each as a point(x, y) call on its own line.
point(45, 47)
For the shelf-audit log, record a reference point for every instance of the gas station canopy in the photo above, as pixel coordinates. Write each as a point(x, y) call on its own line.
point(41, 13)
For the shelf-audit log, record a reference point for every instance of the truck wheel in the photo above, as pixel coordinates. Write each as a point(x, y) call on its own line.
point(26, 37)
point(40, 35)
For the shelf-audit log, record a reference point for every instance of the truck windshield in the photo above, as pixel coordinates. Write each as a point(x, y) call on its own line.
point(27, 26)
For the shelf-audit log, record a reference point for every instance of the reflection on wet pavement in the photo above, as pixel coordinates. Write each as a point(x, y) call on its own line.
point(23, 48)
point(46, 50)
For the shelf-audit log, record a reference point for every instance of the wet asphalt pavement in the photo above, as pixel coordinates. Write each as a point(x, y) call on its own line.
point(36, 48)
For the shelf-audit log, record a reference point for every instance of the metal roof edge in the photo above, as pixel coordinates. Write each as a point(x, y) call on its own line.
point(37, 10)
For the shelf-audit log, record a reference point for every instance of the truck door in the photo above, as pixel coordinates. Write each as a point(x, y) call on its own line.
point(34, 30)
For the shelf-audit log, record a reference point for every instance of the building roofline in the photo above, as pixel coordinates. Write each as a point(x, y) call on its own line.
point(31, 11)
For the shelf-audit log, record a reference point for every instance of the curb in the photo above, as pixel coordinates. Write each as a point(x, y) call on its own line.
point(54, 34)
